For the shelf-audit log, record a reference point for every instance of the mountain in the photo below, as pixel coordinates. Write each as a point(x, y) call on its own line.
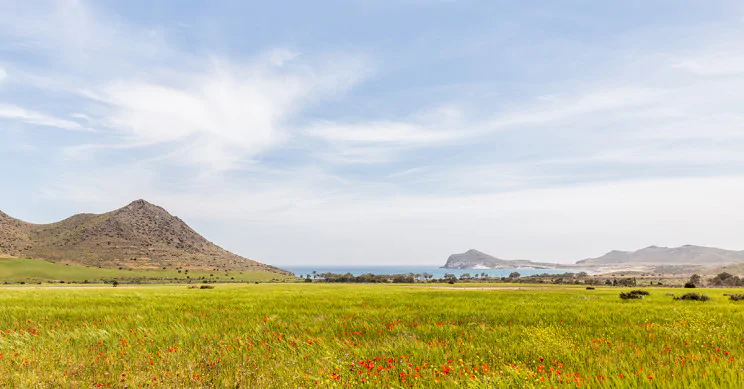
point(654, 255)
point(474, 259)
point(138, 236)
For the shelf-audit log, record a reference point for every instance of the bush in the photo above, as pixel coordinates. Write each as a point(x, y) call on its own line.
point(693, 297)
point(736, 297)
point(206, 287)
point(689, 284)
point(589, 288)
point(633, 294)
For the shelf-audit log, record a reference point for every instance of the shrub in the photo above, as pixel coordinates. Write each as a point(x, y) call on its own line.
point(589, 288)
point(206, 287)
point(693, 297)
point(689, 284)
point(633, 294)
point(736, 297)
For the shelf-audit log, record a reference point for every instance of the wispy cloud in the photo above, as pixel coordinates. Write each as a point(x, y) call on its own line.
point(13, 112)
point(211, 112)
point(597, 100)
point(228, 112)
point(380, 133)
point(716, 63)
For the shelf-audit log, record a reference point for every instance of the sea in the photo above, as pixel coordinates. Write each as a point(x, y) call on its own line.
point(437, 272)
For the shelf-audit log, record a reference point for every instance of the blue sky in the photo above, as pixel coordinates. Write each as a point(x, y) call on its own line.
point(390, 132)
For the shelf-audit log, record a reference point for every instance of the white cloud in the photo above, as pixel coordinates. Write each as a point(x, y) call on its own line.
point(279, 57)
point(714, 64)
point(13, 112)
point(227, 113)
point(380, 132)
point(381, 141)
point(596, 100)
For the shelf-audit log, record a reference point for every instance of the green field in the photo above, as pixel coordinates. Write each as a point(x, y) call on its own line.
point(15, 270)
point(314, 335)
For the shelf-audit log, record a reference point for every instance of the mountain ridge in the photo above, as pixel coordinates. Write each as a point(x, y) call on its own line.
point(139, 235)
point(656, 255)
point(648, 257)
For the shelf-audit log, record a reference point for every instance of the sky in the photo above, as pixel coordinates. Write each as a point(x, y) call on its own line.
point(367, 132)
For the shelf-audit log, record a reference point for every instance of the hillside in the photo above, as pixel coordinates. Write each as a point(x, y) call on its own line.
point(32, 271)
point(474, 259)
point(138, 236)
point(654, 255)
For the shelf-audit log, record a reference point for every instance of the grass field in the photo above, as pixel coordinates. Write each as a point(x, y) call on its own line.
point(313, 335)
point(31, 270)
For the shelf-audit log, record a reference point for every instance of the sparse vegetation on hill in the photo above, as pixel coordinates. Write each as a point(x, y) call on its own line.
point(138, 236)
point(17, 270)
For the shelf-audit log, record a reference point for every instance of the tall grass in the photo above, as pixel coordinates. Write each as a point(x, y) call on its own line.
point(303, 336)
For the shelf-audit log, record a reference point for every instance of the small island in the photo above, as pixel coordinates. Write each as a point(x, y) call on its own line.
point(477, 260)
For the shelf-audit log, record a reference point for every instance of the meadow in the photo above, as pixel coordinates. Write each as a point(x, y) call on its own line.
point(391, 336)
point(16, 270)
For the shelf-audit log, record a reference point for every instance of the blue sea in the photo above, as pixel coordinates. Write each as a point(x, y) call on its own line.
point(301, 271)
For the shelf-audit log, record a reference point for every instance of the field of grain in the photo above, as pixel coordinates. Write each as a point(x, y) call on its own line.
point(313, 335)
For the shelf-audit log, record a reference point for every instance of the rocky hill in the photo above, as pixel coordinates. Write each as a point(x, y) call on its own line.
point(654, 255)
point(474, 259)
point(138, 236)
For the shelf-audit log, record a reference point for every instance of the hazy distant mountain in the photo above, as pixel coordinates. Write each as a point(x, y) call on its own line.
point(140, 235)
point(474, 259)
point(653, 255)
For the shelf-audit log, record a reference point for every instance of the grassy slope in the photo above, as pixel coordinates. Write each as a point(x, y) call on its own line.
point(29, 270)
point(373, 336)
